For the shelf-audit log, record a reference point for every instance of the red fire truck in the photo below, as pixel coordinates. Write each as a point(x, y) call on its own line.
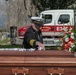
point(55, 20)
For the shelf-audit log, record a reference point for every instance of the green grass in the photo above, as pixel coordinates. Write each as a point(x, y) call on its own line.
point(51, 48)
point(4, 41)
point(20, 46)
point(10, 46)
point(0, 35)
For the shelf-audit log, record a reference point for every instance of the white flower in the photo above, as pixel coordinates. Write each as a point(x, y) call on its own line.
point(72, 45)
point(61, 44)
point(69, 49)
point(70, 29)
point(31, 49)
point(66, 39)
point(40, 48)
point(72, 35)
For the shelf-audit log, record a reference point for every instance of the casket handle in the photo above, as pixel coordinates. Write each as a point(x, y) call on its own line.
point(52, 74)
point(17, 70)
point(55, 71)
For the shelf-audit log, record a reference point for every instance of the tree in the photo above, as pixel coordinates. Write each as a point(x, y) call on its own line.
point(52, 4)
point(17, 14)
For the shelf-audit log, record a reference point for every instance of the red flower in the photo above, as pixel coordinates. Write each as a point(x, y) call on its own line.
point(70, 39)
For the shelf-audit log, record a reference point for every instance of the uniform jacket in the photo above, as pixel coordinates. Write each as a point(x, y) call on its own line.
point(30, 35)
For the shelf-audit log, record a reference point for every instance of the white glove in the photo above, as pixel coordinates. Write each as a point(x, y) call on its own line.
point(40, 45)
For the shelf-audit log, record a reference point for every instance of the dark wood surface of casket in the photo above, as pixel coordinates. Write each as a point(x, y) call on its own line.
point(50, 62)
point(46, 53)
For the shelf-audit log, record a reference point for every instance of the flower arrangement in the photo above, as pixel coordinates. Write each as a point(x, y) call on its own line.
point(68, 42)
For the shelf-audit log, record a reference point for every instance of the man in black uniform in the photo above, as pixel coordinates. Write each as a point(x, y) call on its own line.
point(33, 37)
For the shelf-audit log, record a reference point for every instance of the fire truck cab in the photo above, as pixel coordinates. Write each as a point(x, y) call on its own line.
point(54, 21)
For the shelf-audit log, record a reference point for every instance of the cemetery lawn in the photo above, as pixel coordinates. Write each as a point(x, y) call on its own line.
point(10, 46)
point(4, 41)
point(20, 46)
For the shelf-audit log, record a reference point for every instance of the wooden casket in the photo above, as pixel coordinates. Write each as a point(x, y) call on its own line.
point(49, 62)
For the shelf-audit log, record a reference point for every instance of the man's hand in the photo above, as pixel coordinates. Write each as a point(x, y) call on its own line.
point(40, 46)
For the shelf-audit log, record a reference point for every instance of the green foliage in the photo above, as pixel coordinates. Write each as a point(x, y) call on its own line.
point(52, 4)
